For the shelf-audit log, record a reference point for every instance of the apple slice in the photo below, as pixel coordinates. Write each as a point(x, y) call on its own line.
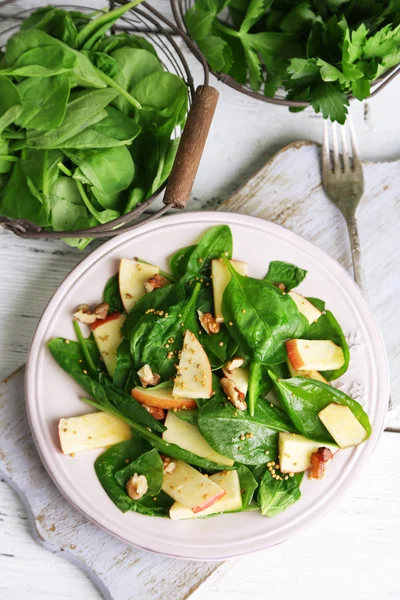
point(161, 398)
point(240, 377)
point(190, 488)
point(107, 335)
point(132, 277)
point(308, 374)
point(305, 307)
point(188, 437)
point(194, 377)
point(95, 430)
point(343, 426)
point(229, 481)
point(220, 279)
point(295, 452)
point(314, 355)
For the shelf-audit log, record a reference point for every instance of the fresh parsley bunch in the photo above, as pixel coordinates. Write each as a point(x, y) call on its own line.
point(318, 50)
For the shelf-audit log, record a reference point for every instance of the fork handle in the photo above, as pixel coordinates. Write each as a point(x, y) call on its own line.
point(359, 277)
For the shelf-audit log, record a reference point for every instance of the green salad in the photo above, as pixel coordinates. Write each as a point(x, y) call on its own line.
point(86, 120)
point(213, 389)
point(318, 50)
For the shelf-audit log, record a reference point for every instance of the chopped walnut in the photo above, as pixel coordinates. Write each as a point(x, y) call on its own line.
point(137, 486)
point(84, 314)
point(234, 395)
point(168, 467)
point(319, 461)
point(147, 377)
point(281, 286)
point(208, 322)
point(233, 364)
point(155, 282)
point(157, 413)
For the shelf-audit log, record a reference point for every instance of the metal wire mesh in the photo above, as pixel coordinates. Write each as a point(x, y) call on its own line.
point(162, 34)
point(179, 9)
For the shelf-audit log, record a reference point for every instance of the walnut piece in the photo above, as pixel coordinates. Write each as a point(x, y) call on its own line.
point(84, 314)
point(137, 486)
point(233, 364)
point(147, 377)
point(168, 467)
point(234, 395)
point(208, 322)
point(319, 461)
point(155, 282)
point(157, 413)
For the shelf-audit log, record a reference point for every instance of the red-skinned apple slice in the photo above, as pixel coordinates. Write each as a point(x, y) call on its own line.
point(305, 307)
point(308, 374)
point(194, 377)
point(220, 279)
point(132, 276)
point(107, 335)
point(190, 488)
point(161, 398)
point(314, 355)
point(295, 452)
point(94, 430)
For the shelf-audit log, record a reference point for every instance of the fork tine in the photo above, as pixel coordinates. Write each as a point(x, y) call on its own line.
point(354, 146)
point(335, 149)
point(345, 149)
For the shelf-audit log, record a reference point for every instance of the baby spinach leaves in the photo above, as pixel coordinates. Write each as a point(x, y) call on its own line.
point(263, 318)
point(214, 243)
point(304, 398)
point(112, 296)
point(148, 464)
point(251, 440)
point(10, 102)
point(44, 102)
point(274, 495)
point(281, 272)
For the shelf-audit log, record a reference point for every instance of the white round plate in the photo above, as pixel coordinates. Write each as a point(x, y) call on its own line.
point(52, 394)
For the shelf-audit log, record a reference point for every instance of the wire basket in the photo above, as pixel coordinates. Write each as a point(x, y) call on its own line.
point(147, 22)
point(179, 9)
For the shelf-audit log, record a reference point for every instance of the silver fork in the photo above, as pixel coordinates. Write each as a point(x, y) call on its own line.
point(343, 181)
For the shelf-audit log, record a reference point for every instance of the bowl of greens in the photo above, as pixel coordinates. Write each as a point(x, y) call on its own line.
point(93, 107)
point(206, 386)
point(297, 54)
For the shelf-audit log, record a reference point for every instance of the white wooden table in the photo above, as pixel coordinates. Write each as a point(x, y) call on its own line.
point(354, 553)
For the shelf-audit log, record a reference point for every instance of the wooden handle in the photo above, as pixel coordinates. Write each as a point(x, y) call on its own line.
point(191, 147)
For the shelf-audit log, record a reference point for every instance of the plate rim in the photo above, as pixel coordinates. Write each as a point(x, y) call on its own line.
point(212, 218)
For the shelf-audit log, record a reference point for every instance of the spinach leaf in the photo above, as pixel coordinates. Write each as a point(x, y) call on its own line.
point(275, 496)
point(148, 464)
point(327, 328)
point(248, 485)
point(178, 263)
point(17, 200)
point(263, 318)
point(124, 365)
point(122, 40)
point(286, 273)
point(165, 163)
point(304, 398)
point(133, 65)
point(67, 209)
point(214, 243)
point(44, 101)
point(55, 21)
point(110, 170)
point(155, 337)
point(190, 416)
point(69, 356)
point(164, 100)
point(41, 167)
point(85, 110)
point(236, 434)
point(112, 296)
point(10, 102)
point(5, 164)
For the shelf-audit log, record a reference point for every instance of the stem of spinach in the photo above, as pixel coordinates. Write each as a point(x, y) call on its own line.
point(13, 135)
point(163, 273)
point(118, 88)
point(9, 158)
point(102, 20)
point(254, 375)
point(86, 200)
point(64, 169)
point(89, 361)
